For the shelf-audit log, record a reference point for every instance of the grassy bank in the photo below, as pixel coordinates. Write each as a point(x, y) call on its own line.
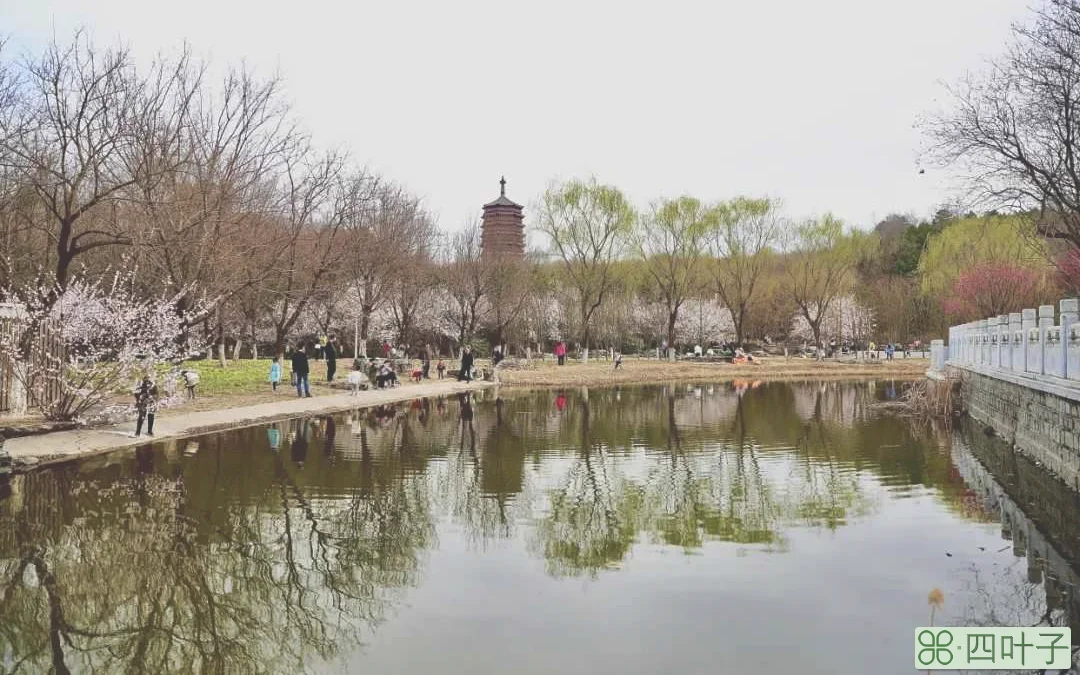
point(644, 371)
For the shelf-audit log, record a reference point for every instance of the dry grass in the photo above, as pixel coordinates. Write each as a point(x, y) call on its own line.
point(928, 399)
point(644, 371)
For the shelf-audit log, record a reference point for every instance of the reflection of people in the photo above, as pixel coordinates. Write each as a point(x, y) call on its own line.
point(466, 407)
point(560, 402)
point(300, 444)
point(273, 435)
point(328, 438)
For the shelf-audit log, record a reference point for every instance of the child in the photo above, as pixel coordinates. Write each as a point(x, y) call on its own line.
point(275, 372)
point(618, 360)
point(441, 368)
point(356, 378)
point(191, 380)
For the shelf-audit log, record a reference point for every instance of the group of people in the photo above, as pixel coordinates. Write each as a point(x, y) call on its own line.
point(382, 375)
point(301, 367)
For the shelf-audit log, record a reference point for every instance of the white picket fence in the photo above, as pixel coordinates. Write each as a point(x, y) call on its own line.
point(1033, 342)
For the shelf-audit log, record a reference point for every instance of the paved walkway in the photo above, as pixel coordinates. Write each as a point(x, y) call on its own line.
point(63, 446)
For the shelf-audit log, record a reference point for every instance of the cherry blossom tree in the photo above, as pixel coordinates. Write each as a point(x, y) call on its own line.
point(94, 341)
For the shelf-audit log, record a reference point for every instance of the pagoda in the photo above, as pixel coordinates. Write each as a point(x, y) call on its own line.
point(502, 227)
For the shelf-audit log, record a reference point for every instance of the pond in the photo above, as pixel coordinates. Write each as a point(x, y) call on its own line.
point(736, 528)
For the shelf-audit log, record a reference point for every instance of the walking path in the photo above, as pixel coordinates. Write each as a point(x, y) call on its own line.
point(64, 446)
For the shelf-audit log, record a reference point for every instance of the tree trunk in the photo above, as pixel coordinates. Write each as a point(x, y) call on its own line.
point(365, 323)
point(220, 340)
point(671, 319)
point(739, 320)
point(254, 344)
point(815, 328)
point(236, 350)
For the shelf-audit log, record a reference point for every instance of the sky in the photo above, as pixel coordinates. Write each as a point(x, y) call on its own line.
point(814, 103)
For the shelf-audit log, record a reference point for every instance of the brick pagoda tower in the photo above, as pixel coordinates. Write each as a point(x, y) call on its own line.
point(502, 228)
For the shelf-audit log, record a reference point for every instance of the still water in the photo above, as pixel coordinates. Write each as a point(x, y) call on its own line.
point(727, 529)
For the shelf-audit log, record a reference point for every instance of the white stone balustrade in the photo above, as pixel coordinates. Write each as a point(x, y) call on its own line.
point(1033, 342)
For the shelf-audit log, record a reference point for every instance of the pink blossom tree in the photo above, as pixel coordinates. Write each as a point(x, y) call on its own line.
point(1068, 271)
point(993, 288)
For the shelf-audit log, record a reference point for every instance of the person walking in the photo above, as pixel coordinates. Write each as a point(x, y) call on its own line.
point(331, 359)
point(300, 371)
point(560, 353)
point(465, 373)
point(146, 400)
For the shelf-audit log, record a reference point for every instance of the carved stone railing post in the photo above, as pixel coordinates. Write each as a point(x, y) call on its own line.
point(1032, 362)
point(1070, 347)
point(1016, 339)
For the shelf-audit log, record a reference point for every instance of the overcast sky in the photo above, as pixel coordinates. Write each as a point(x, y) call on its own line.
point(812, 102)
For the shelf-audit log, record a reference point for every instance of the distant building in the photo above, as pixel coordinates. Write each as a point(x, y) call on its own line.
point(502, 227)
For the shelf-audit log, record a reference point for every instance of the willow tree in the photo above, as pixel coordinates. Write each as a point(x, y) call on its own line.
point(820, 267)
point(741, 242)
point(670, 238)
point(588, 226)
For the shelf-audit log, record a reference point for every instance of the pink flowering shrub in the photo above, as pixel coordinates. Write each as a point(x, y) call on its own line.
point(993, 288)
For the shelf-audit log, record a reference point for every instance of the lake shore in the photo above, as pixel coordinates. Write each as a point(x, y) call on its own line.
point(29, 452)
point(650, 371)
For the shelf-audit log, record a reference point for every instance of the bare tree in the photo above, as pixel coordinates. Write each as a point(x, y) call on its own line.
point(587, 225)
point(312, 220)
point(1014, 129)
point(464, 278)
point(746, 231)
point(206, 225)
point(72, 132)
point(386, 223)
point(510, 283)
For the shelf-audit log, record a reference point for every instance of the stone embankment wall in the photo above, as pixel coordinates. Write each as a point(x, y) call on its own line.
point(1021, 376)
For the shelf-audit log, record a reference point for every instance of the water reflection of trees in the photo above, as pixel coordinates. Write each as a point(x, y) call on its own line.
point(232, 561)
point(688, 466)
point(253, 551)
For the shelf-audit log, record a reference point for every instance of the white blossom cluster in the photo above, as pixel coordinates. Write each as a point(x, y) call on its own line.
point(93, 343)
